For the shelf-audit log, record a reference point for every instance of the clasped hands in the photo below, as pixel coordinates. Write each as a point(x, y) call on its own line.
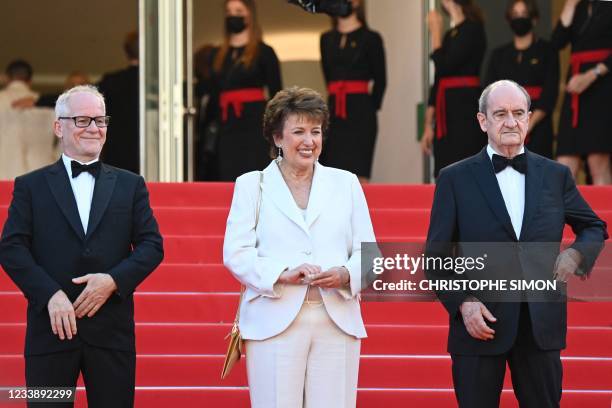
point(63, 313)
point(578, 83)
point(474, 312)
point(335, 277)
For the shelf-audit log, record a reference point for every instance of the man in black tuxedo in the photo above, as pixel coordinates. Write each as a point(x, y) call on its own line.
point(120, 88)
point(79, 238)
point(506, 194)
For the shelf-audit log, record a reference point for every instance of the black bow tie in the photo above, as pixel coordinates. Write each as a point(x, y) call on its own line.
point(518, 163)
point(78, 168)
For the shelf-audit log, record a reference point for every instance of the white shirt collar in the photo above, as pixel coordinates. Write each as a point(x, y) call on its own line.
point(67, 160)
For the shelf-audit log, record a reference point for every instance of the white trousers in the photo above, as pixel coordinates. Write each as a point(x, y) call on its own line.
point(312, 364)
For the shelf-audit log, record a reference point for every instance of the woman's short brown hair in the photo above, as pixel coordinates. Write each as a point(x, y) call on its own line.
point(295, 100)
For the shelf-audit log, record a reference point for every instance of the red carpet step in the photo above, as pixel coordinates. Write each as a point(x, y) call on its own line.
point(220, 307)
point(208, 338)
point(209, 249)
point(378, 195)
point(211, 221)
point(215, 278)
point(376, 371)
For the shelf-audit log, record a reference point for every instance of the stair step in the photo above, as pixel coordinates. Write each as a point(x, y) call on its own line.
point(375, 371)
point(207, 249)
point(191, 194)
point(220, 194)
point(209, 338)
point(216, 278)
point(181, 221)
point(377, 195)
point(172, 278)
point(221, 308)
point(211, 221)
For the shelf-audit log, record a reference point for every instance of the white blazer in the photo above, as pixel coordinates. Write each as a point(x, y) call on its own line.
point(337, 222)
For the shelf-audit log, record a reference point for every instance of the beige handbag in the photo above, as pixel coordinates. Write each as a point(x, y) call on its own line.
point(234, 348)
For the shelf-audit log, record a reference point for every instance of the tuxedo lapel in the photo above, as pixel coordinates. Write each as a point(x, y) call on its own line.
point(103, 190)
point(533, 187)
point(485, 177)
point(275, 188)
point(57, 178)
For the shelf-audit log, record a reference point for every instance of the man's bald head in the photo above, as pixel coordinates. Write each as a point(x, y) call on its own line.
point(484, 97)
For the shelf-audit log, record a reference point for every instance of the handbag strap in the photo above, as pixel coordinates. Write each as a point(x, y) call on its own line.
point(242, 287)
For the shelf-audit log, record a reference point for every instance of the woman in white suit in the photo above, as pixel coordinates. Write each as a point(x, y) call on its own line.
point(300, 263)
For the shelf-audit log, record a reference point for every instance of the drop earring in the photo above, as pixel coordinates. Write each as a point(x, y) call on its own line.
point(279, 156)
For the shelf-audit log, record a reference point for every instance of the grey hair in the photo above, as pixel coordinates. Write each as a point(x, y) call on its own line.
point(61, 106)
point(484, 97)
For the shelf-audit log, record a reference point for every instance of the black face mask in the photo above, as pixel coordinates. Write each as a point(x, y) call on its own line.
point(521, 25)
point(235, 24)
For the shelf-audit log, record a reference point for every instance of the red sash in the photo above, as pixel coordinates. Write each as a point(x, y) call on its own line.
point(236, 98)
point(443, 85)
point(342, 88)
point(577, 59)
point(535, 92)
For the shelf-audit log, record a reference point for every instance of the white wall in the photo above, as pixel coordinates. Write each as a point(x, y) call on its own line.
point(398, 158)
point(61, 36)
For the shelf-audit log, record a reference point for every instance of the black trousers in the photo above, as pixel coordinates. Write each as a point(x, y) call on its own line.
point(536, 374)
point(109, 375)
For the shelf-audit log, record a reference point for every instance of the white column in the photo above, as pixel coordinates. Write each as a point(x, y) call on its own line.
point(398, 157)
point(170, 90)
point(161, 89)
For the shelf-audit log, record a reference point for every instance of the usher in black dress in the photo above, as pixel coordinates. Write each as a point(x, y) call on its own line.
point(537, 70)
point(586, 119)
point(455, 94)
point(241, 104)
point(350, 67)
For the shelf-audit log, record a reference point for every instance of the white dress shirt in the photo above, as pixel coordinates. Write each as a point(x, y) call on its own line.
point(512, 186)
point(83, 189)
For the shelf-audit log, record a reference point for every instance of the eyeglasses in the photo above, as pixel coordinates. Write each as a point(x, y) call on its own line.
point(85, 121)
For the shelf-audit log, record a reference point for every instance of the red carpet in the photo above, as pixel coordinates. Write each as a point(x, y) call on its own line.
point(185, 308)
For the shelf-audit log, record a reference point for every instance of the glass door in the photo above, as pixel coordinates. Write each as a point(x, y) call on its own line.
point(165, 91)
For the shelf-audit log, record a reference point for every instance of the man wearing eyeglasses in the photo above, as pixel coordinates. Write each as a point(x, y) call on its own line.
point(79, 238)
point(518, 201)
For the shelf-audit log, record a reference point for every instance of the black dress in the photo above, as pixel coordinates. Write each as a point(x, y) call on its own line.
point(241, 146)
point(460, 55)
point(206, 131)
point(594, 121)
point(122, 147)
point(350, 140)
point(537, 69)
